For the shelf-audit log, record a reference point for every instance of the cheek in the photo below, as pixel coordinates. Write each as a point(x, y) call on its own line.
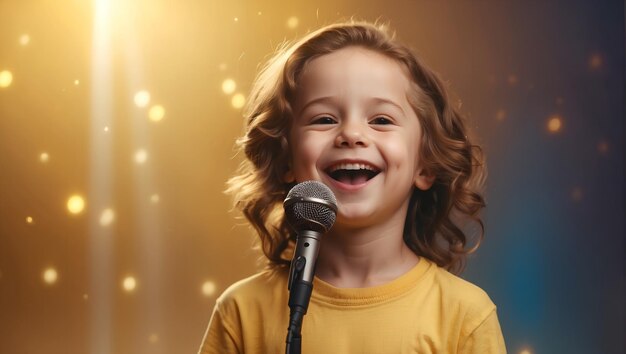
point(400, 150)
point(305, 153)
point(403, 153)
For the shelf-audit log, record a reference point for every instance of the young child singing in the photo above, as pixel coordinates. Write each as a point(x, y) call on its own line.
point(351, 107)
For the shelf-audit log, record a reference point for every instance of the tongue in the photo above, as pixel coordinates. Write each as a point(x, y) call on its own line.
point(352, 178)
point(359, 179)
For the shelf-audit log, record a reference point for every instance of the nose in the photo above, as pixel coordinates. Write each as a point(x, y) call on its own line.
point(352, 134)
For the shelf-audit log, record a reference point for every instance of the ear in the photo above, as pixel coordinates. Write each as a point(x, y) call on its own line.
point(424, 180)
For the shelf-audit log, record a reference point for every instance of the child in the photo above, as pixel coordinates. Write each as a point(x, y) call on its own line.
point(351, 107)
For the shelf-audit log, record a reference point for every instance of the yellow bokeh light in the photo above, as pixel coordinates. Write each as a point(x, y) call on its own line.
point(129, 284)
point(107, 217)
point(50, 276)
point(141, 156)
point(555, 123)
point(238, 100)
point(260, 13)
point(236, 19)
point(29, 220)
point(156, 113)
point(85, 297)
point(106, 129)
point(292, 22)
point(24, 39)
point(44, 157)
point(155, 198)
point(208, 288)
point(525, 351)
point(142, 98)
point(223, 66)
point(6, 78)
point(76, 82)
point(229, 86)
point(76, 204)
point(153, 338)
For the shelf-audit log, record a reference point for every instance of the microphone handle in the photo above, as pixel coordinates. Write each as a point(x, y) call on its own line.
point(300, 285)
point(305, 255)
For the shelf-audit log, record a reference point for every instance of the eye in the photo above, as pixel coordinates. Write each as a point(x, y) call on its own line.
point(324, 120)
point(381, 120)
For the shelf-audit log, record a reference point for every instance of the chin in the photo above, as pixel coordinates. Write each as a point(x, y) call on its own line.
point(354, 217)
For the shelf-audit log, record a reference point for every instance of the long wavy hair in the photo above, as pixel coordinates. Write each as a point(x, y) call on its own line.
point(433, 226)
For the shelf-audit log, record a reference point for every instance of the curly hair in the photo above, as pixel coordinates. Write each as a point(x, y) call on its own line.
point(432, 227)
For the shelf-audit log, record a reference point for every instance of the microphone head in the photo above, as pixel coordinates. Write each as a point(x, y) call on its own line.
point(311, 205)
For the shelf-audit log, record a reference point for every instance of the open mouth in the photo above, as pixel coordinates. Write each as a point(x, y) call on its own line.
point(352, 173)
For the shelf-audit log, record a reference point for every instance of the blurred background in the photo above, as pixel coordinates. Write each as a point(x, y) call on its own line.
point(117, 128)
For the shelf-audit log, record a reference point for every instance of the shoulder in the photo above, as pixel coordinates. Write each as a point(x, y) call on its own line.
point(241, 310)
point(464, 297)
point(458, 290)
point(258, 288)
point(472, 312)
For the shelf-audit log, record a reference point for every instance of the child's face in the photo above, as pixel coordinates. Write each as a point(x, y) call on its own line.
point(354, 130)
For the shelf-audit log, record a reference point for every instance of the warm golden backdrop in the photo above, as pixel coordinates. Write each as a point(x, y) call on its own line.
point(117, 128)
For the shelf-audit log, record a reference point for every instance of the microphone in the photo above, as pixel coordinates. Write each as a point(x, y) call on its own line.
point(311, 210)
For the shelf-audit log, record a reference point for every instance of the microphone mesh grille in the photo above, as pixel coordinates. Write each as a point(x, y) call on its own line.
point(311, 205)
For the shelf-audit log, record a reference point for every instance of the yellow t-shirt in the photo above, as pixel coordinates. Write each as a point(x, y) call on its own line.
point(426, 310)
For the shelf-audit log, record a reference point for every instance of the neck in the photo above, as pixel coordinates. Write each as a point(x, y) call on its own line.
point(364, 257)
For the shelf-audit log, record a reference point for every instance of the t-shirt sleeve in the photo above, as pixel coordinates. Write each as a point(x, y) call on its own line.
point(221, 336)
point(486, 338)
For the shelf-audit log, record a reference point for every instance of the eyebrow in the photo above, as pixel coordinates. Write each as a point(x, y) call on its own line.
point(331, 99)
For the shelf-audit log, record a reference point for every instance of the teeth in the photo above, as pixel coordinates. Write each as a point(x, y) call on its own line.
point(352, 166)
